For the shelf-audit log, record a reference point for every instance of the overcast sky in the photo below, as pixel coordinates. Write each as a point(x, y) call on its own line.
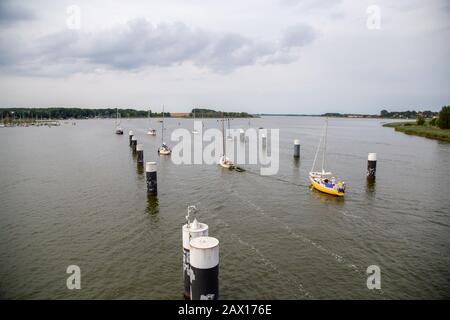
point(274, 56)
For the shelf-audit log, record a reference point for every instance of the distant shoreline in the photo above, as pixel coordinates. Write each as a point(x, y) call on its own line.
point(425, 131)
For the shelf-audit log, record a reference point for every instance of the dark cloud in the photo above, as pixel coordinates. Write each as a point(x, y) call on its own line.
point(11, 12)
point(139, 44)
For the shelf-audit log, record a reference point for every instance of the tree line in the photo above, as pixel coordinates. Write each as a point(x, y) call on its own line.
point(442, 120)
point(410, 114)
point(12, 114)
point(208, 113)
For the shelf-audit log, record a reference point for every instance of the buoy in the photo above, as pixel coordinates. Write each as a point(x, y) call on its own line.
point(296, 148)
point(133, 143)
point(371, 165)
point(204, 261)
point(151, 177)
point(130, 135)
point(190, 231)
point(140, 153)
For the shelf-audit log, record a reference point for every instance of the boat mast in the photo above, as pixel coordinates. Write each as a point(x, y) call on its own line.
point(324, 145)
point(162, 127)
point(223, 135)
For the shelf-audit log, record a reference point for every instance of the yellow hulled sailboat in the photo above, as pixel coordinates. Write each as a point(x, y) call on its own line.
point(324, 181)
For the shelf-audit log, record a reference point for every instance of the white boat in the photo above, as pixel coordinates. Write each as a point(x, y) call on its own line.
point(163, 149)
point(151, 131)
point(118, 128)
point(324, 181)
point(224, 161)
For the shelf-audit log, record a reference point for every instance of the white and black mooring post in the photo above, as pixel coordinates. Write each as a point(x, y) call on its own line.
point(371, 166)
point(150, 175)
point(133, 143)
point(296, 148)
point(140, 153)
point(204, 260)
point(130, 136)
point(189, 232)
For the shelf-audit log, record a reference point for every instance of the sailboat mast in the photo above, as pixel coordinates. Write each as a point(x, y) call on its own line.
point(223, 134)
point(325, 145)
point(162, 128)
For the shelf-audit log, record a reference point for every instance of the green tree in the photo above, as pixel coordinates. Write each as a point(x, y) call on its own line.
point(420, 120)
point(433, 122)
point(444, 118)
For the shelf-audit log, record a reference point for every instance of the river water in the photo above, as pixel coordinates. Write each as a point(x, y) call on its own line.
point(73, 195)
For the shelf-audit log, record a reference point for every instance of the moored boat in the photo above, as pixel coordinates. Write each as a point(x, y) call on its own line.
point(324, 181)
point(118, 127)
point(163, 149)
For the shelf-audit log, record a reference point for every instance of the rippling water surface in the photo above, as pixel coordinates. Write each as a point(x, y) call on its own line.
point(74, 195)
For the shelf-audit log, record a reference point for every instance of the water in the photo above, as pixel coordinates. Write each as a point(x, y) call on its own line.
point(74, 195)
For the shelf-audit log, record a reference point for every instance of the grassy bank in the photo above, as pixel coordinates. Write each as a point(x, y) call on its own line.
point(426, 130)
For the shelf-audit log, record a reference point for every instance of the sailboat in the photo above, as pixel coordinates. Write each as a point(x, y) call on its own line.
point(151, 132)
point(323, 180)
point(194, 131)
point(118, 128)
point(224, 161)
point(164, 149)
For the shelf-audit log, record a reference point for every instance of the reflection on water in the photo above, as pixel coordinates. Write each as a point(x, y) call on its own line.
point(326, 198)
point(370, 186)
point(139, 168)
point(296, 162)
point(152, 205)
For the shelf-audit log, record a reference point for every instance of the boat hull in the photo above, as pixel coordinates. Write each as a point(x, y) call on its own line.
point(326, 190)
point(226, 163)
point(164, 152)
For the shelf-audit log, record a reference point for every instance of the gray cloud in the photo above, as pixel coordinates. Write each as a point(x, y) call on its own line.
point(11, 12)
point(310, 4)
point(139, 44)
point(298, 36)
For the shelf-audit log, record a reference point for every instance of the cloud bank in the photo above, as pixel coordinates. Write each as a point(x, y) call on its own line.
point(139, 44)
point(11, 13)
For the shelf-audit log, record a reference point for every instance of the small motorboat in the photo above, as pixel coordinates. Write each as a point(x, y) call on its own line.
point(119, 130)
